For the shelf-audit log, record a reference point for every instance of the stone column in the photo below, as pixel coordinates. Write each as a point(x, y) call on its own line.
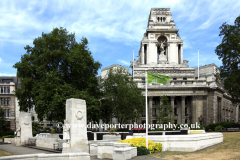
point(193, 110)
point(183, 109)
point(142, 54)
point(172, 105)
point(25, 128)
point(76, 119)
point(205, 110)
point(181, 53)
point(150, 110)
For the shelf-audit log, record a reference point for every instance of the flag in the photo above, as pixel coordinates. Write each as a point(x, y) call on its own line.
point(163, 79)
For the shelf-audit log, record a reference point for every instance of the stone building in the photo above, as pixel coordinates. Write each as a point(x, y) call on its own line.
point(194, 99)
point(8, 100)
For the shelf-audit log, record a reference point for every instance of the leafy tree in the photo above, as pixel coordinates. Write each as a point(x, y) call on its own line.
point(2, 120)
point(35, 126)
point(121, 97)
point(57, 68)
point(229, 52)
point(164, 111)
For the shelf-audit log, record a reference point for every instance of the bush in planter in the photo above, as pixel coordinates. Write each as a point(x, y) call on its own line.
point(53, 130)
point(34, 133)
point(142, 151)
point(44, 128)
point(138, 142)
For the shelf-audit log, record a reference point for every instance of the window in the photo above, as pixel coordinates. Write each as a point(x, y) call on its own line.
point(5, 90)
point(184, 79)
point(9, 113)
point(1, 89)
point(154, 111)
point(175, 121)
point(185, 121)
point(2, 101)
point(186, 111)
point(174, 79)
point(5, 101)
point(154, 101)
point(6, 80)
point(144, 114)
point(143, 122)
point(154, 122)
point(8, 124)
point(8, 101)
point(8, 89)
point(6, 112)
point(175, 111)
point(143, 80)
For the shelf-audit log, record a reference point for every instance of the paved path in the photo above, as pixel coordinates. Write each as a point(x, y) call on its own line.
point(24, 150)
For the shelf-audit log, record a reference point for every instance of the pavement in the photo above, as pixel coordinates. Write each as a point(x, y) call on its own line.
point(25, 150)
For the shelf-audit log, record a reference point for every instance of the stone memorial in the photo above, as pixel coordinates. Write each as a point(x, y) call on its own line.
point(75, 127)
point(24, 130)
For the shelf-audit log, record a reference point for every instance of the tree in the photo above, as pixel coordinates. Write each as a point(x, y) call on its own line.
point(121, 97)
point(57, 68)
point(229, 52)
point(2, 120)
point(164, 111)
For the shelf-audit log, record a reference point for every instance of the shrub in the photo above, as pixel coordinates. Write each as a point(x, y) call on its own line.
point(218, 128)
point(35, 126)
point(138, 142)
point(142, 151)
point(34, 133)
point(53, 130)
point(112, 129)
point(44, 128)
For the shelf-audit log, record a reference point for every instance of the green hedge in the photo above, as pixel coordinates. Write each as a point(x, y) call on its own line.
point(142, 151)
point(9, 136)
point(223, 124)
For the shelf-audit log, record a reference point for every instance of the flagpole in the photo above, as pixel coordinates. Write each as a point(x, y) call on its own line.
point(198, 63)
point(133, 62)
point(146, 82)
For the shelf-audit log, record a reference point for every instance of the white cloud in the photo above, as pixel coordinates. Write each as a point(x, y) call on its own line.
point(5, 74)
point(123, 62)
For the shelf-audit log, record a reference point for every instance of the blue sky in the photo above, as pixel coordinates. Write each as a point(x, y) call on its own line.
point(113, 28)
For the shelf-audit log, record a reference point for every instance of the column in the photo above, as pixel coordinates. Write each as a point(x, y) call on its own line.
point(181, 53)
point(205, 111)
point(183, 109)
point(193, 109)
point(142, 54)
point(172, 104)
point(150, 110)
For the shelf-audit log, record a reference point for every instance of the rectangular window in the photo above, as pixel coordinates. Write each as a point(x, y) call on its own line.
point(6, 112)
point(175, 121)
point(144, 114)
point(5, 101)
point(174, 79)
point(185, 121)
point(143, 122)
point(1, 89)
point(8, 124)
point(154, 111)
point(2, 101)
point(5, 90)
point(9, 113)
point(8, 89)
point(175, 111)
point(8, 101)
point(184, 79)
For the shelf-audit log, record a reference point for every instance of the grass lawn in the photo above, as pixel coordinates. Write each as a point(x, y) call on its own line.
point(230, 149)
point(4, 153)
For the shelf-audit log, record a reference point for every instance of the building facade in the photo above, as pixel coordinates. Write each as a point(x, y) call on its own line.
point(8, 100)
point(193, 99)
